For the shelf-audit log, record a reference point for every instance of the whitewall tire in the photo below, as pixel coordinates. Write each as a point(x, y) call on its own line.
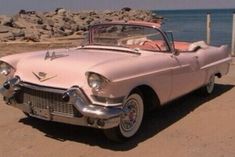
point(209, 87)
point(130, 121)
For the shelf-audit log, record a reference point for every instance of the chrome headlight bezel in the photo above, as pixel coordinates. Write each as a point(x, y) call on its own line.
point(96, 81)
point(5, 68)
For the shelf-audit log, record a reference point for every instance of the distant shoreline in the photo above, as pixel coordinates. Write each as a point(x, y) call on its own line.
point(160, 10)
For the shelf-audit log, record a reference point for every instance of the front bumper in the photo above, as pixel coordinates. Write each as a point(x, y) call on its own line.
point(80, 110)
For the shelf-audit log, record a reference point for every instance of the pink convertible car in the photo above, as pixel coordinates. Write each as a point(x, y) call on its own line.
point(121, 71)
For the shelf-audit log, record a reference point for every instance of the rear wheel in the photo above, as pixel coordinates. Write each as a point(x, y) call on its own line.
point(209, 87)
point(130, 121)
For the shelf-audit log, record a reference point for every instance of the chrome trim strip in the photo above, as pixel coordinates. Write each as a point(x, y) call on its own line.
point(107, 100)
point(108, 104)
point(127, 50)
point(42, 88)
point(225, 60)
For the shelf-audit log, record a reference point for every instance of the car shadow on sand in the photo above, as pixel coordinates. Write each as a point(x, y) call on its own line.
point(153, 123)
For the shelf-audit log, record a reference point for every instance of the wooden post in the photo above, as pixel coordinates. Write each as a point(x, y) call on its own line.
point(233, 36)
point(208, 29)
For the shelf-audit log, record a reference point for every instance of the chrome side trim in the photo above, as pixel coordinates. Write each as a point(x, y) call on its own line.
point(225, 60)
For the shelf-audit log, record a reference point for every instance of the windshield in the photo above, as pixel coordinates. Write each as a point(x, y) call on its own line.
point(130, 36)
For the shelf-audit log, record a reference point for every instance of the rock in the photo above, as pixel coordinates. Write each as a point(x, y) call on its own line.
point(109, 19)
point(79, 33)
point(32, 18)
point(22, 12)
point(4, 29)
point(6, 20)
point(61, 11)
point(126, 9)
point(92, 13)
point(96, 22)
point(57, 9)
point(74, 27)
point(108, 12)
point(66, 19)
point(58, 32)
point(49, 22)
point(41, 27)
point(35, 26)
point(18, 33)
point(20, 24)
point(27, 12)
point(141, 17)
point(49, 14)
point(60, 25)
point(84, 27)
point(68, 32)
point(7, 36)
point(88, 20)
point(46, 27)
point(83, 15)
point(67, 26)
point(40, 21)
point(77, 19)
point(31, 35)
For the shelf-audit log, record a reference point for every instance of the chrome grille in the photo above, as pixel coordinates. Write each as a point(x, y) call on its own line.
point(47, 99)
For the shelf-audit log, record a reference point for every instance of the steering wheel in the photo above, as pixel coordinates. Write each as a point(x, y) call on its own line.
point(152, 44)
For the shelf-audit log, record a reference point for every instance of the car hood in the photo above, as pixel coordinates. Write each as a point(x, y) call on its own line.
point(64, 69)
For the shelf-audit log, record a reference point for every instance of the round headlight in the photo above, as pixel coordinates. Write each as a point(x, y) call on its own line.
point(5, 69)
point(96, 81)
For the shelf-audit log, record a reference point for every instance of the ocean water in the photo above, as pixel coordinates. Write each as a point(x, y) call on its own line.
point(190, 25)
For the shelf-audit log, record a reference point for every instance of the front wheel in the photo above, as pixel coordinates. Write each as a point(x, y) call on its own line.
point(130, 121)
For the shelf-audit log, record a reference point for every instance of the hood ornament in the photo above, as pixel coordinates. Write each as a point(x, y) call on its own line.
point(54, 55)
point(42, 76)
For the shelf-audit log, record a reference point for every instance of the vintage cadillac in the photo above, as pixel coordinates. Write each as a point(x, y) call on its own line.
point(121, 71)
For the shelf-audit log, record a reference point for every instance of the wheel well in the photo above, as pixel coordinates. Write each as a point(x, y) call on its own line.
point(149, 96)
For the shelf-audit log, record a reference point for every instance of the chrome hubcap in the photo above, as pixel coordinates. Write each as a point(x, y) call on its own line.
point(128, 119)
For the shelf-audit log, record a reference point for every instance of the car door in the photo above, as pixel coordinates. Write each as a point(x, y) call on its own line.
point(186, 74)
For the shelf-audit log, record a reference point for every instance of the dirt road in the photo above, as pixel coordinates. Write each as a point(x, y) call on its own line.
point(191, 126)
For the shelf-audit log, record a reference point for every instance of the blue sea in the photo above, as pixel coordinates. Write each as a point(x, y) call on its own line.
point(190, 25)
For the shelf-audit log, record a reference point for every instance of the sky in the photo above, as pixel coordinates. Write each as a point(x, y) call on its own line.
point(13, 6)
